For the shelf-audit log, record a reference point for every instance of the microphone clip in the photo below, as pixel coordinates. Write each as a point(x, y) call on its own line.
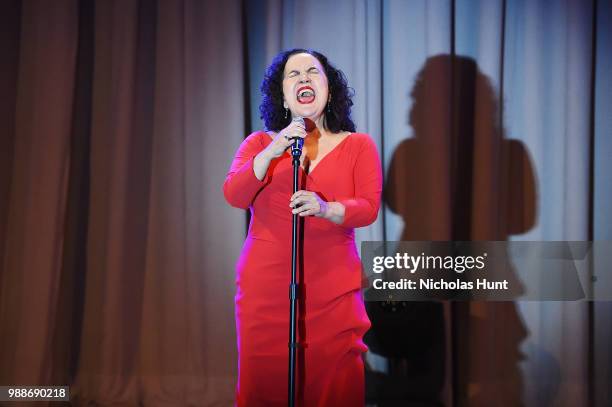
point(296, 148)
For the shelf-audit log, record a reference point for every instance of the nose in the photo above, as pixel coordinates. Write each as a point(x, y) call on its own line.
point(304, 77)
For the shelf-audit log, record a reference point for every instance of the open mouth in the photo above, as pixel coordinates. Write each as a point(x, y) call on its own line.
point(305, 95)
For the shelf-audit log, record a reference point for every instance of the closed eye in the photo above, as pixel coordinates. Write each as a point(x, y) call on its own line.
point(295, 73)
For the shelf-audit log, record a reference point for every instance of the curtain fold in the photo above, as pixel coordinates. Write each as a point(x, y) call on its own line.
point(119, 203)
point(36, 201)
point(158, 304)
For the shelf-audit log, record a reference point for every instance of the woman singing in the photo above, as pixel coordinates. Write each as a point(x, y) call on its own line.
point(340, 188)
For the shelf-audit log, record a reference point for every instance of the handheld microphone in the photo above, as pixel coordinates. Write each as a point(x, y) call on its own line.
point(298, 142)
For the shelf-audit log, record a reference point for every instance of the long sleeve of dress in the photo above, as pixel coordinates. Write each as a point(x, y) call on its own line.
point(241, 185)
point(362, 209)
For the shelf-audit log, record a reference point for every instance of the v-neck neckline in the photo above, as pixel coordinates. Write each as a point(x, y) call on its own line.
point(309, 173)
point(312, 170)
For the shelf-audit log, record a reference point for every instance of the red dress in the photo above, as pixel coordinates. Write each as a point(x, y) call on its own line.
point(332, 314)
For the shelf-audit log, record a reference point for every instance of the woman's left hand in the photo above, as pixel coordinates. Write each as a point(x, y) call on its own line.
point(306, 203)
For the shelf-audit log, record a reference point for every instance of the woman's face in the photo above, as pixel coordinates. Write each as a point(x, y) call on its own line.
point(305, 90)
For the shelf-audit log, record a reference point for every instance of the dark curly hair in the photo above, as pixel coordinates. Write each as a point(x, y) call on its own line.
point(272, 110)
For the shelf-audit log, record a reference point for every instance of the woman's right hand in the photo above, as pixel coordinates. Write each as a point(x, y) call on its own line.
point(284, 138)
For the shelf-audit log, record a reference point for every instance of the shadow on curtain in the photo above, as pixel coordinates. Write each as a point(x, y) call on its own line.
point(459, 178)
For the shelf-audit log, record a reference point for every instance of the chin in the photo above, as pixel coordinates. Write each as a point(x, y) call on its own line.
point(309, 113)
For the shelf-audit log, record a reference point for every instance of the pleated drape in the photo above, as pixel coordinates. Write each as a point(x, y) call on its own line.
point(119, 250)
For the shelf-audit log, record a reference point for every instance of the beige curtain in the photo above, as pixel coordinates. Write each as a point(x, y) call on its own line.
point(119, 251)
point(36, 191)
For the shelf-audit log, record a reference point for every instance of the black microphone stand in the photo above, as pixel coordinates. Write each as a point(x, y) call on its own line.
point(296, 152)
